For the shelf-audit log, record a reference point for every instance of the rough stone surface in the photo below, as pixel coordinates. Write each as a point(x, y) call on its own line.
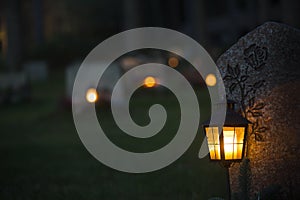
point(261, 73)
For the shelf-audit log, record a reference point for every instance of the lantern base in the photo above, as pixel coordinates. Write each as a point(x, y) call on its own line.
point(226, 163)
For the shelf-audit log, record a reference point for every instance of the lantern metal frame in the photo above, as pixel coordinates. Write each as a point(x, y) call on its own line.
point(233, 119)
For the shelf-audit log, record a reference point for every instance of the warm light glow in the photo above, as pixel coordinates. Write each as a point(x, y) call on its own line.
point(212, 135)
point(149, 81)
point(91, 95)
point(173, 62)
point(228, 144)
point(211, 80)
point(233, 138)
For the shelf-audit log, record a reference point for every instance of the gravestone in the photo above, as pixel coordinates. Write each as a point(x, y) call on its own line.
point(14, 87)
point(112, 74)
point(261, 73)
point(36, 70)
point(161, 77)
point(70, 75)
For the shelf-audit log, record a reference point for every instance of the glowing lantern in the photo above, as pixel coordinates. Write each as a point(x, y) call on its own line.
point(149, 82)
point(91, 95)
point(227, 142)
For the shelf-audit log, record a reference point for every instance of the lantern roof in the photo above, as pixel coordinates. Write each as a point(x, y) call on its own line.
point(232, 119)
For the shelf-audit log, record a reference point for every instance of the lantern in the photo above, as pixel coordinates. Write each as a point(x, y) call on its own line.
point(227, 142)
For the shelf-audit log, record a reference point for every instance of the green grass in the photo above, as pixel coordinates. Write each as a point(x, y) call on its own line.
point(42, 157)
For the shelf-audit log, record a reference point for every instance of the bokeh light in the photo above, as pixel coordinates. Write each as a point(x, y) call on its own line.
point(149, 82)
point(173, 62)
point(211, 80)
point(91, 95)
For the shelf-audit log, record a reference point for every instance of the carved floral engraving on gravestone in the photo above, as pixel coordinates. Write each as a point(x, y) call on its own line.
point(261, 73)
point(255, 59)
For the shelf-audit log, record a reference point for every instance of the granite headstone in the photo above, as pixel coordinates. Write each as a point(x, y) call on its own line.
point(261, 73)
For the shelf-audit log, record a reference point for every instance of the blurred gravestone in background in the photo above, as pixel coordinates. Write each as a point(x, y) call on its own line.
point(36, 70)
point(261, 73)
point(70, 74)
point(106, 85)
point(14, 88)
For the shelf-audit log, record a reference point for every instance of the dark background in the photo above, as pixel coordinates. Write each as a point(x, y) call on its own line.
point(61, 31)
point(41, 155)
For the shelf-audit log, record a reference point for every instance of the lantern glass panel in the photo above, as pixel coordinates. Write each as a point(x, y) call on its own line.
point(213, 141)
point(233, 138)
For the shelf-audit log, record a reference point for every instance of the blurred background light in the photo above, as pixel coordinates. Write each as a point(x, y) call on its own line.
point(91, 95)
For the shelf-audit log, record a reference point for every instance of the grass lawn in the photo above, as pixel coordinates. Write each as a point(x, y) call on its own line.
point(42, 157)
